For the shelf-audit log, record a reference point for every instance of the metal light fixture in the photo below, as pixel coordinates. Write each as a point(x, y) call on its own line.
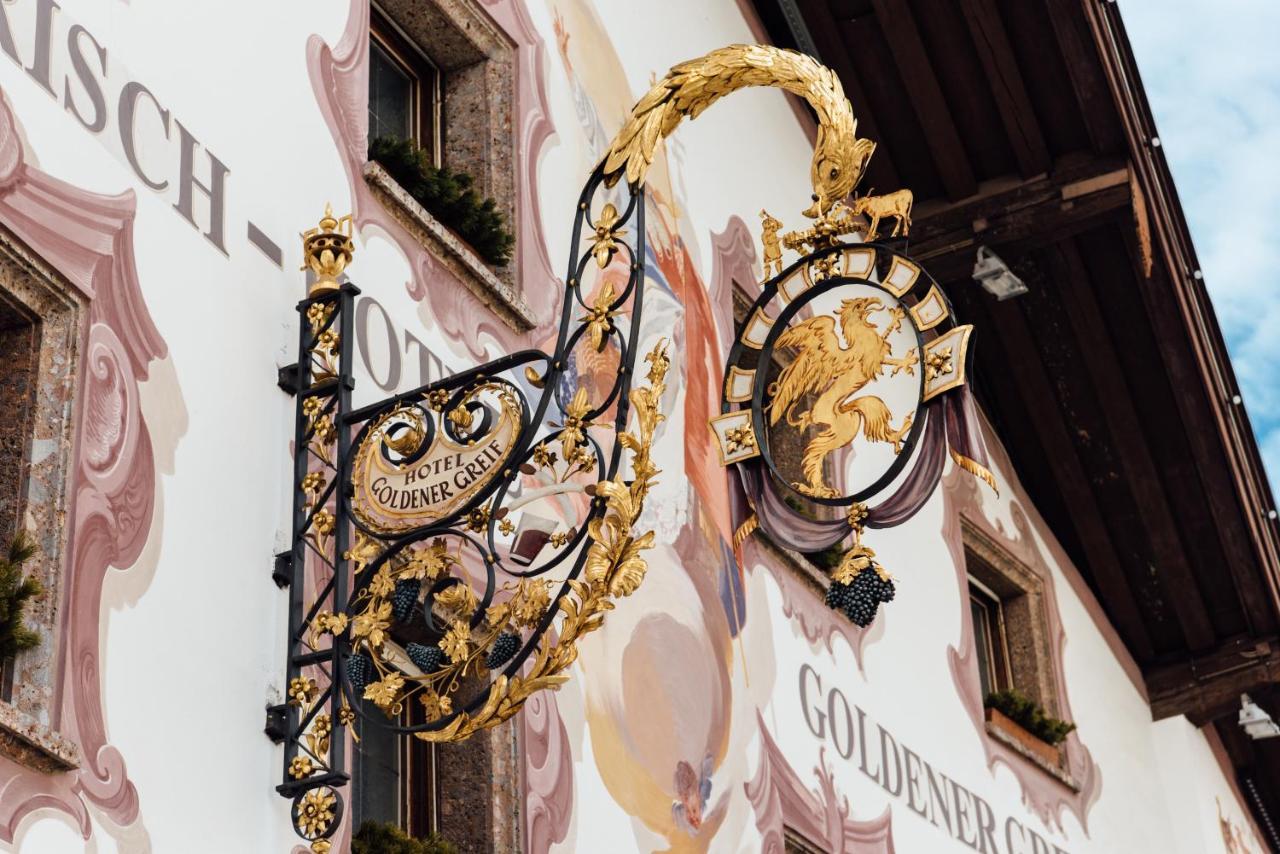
point(995, 276)
point(1256, 722)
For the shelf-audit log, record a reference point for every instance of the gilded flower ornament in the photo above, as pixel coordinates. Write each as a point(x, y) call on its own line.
point(605, 242)
point(318, 315)
point(544, 457)
point(938, 363)
point(740, 438)
point(301, 690)
point(323, 522)
point(478, 519)
point(300, 767)
point(438, 398)
point(315, 812)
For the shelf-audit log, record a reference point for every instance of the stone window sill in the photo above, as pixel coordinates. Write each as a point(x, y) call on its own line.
point(498, 295)
point(1054, 771)
point(32, 744)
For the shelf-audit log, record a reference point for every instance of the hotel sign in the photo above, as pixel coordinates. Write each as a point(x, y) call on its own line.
point(414, 466)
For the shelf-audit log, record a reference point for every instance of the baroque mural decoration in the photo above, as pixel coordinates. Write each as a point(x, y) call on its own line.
point(429, 574)
point(88, 239)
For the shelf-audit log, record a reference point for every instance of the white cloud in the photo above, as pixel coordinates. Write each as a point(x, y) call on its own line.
point(1212, 74)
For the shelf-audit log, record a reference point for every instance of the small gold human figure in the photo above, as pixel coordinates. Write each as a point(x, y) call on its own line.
point(772, 245)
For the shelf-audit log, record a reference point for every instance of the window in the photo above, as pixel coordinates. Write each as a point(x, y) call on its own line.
point(989, 638)
point(394, 775)
point(443, 73)
point(1006, 605)
point(404, 88)
point(19, 352)
point(794, 843)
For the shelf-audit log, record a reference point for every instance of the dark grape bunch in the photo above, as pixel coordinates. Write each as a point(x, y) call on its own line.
point(503, 649)
point(426, 658)
point(404, 598)
point(861, 598)
point(359, 671)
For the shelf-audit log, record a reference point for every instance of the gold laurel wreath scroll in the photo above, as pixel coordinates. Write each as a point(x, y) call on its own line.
point(839, 157)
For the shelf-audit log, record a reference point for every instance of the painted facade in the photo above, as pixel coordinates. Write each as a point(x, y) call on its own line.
point(157, 161)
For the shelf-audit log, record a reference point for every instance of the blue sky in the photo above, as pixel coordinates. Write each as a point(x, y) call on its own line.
point(1212, 73)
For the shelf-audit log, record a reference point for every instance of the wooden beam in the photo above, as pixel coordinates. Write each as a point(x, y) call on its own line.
point(1205, 470)
point(831, 50)
point(1088, 77)
point(1245, 556)
point(1016, 112)
point(1208, 687)
point(1016, 352)
point(1020, 217)
point(899, 28)
point(1128, 432)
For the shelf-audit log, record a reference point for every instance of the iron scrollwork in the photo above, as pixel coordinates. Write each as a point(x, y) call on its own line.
point(452, 544)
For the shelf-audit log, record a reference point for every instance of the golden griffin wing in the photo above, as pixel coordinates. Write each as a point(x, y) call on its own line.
point(813, 369)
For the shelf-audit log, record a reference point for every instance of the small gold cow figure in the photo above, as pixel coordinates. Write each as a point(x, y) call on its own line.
point(771, 244)
point(875, 208)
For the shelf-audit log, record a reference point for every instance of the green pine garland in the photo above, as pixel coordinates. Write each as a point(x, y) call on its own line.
point(1029, 715)
point(448, 196)
point(379, 838)
point(15, 591)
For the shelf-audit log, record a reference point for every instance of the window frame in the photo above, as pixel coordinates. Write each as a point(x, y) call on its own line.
point(994, 636)
point(423, 74)
point(55, 312)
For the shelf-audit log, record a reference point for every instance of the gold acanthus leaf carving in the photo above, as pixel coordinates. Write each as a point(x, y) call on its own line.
point(839, 157)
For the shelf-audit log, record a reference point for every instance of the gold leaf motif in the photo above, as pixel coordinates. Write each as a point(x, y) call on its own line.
point(372, 624)
point(498, 614)
point(854, 562)
point(429, 562)
point(456, 642)
point(435, 705)
point(530, 602)
point(382, 584)
point(457, 602)
point(385, 693)
point(366, 548)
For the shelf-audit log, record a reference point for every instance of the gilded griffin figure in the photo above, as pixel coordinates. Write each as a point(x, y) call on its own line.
point(835, 371)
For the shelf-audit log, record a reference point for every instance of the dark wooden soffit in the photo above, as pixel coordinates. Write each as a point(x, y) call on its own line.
point(1022, 125)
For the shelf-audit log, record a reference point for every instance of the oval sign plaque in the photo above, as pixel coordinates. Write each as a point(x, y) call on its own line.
point(400, 486)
